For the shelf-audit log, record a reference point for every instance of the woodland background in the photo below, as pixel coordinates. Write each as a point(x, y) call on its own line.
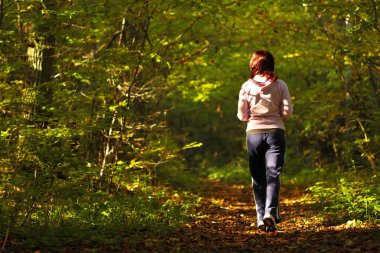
point(113, 113)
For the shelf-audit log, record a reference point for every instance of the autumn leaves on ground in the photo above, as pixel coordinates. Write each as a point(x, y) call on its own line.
point(226, 223)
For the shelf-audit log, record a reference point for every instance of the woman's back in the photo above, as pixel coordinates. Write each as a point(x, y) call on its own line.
point(264, 105)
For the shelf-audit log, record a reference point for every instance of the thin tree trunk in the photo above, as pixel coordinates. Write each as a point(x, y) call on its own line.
point(374, 85)
point(108, 149)
point(122, 33)
point(1, 13)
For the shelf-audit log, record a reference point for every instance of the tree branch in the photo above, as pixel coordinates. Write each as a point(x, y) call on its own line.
point(10, 4)
point(146, 38)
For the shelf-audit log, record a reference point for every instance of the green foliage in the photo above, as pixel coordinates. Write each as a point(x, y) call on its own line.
point(332, 79)
point(106, 106)
point(74, 216)
point(83, 129)
point(178, 178)
point(300, 179)
point(349, 199)
point(235, 172)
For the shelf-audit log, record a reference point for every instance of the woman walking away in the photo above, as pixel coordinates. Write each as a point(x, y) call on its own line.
point(264, 102)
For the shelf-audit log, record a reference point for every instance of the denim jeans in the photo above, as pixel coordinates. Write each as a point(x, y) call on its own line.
point(266, 153)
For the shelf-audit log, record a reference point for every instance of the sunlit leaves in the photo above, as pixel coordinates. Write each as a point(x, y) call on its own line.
point(142, 90)
point(192, 145)
point(356, 198)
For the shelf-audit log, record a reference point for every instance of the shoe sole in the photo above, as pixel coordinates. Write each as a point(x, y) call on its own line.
point(262, 228)
point(270, 225)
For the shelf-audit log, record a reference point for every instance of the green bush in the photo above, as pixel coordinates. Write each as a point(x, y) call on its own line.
point(233, 173)
point(352, 199)
point(73, 213)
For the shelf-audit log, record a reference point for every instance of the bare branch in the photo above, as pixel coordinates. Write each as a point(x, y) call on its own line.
point(146, 38)
point(10, 4)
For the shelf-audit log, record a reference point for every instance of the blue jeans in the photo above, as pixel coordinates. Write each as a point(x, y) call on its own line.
point(266, 153)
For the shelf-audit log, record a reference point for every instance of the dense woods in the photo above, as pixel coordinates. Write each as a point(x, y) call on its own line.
point(113, 113)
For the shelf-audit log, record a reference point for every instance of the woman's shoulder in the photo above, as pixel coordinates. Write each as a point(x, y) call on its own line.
point(281, 82)
point(247, 85)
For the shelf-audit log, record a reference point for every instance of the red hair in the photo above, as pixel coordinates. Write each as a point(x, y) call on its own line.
point(262, 63)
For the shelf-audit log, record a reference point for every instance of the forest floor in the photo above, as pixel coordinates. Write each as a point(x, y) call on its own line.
point(226, 223)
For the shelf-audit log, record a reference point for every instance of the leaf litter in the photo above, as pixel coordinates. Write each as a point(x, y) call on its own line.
point(225, 222)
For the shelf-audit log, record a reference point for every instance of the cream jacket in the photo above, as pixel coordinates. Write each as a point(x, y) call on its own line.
point(264, 105)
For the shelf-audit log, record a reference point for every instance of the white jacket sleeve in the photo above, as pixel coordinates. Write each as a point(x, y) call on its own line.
point(286, 103)
point(243, 106)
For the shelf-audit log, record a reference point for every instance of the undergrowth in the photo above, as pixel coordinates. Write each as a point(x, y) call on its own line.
point(230, 173)
point(72, 215)
point(351, 196)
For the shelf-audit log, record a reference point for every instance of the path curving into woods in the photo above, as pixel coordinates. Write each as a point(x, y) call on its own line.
point(224, 224)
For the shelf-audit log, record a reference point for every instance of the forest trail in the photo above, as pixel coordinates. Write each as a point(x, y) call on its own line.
point(226, 223)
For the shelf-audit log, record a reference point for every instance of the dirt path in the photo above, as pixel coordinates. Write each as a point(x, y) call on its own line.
point(225, 225)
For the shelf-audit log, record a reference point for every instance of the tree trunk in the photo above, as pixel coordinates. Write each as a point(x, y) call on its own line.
point(41, 56)
point(1, 13)
point(373, 80)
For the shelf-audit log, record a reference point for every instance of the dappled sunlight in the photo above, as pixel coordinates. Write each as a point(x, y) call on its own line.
point(225, 223)
point(119, 129)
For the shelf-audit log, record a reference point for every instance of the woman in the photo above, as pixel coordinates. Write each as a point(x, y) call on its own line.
point(264, 102)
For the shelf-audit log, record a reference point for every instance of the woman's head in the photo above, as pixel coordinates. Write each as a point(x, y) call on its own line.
point(262, 63)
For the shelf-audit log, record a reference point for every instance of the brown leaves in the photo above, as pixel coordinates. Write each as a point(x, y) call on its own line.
point(226, 223)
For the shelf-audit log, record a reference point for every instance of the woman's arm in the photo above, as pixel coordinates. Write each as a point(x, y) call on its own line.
point(243, 108)
point(286, 103)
